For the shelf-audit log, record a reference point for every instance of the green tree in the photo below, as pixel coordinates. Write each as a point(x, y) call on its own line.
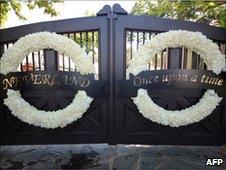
point(7, 5)
point(188, 10)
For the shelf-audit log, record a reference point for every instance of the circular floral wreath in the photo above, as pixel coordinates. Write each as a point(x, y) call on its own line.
point(36, 42)
point(195, 41)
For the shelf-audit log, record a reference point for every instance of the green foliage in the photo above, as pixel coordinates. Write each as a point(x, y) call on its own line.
point(222, 18)
point(7, 5)
point(188, 10)
point(4, 10)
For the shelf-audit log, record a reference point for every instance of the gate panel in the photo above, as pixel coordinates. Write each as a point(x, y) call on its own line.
point(113, 120)
point(92, 127)
point(132, 127)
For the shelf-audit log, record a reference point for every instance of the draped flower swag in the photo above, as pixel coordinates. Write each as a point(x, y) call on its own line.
point(12, 58)
point(195, 41)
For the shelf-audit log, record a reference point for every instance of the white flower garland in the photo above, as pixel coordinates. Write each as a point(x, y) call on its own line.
point(194, 41)
point(36, 42)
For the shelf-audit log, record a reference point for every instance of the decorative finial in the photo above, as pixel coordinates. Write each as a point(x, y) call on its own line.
point(117, 9)
point(105, 10)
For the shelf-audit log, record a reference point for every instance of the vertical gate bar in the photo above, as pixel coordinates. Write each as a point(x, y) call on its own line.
point(2, 49)
point(199, 62)
point(205, 67)
point(162, 59)
point(127, 44)
point(50, 60)
point(143, 38)
point(149, 38)
point(156, 57)
point(33, 61)
point(69, 64)
point(97, 38)
point(80, 38)
point(101, 42)
point(63, 61)
point(219, 45)
point(93, 47)
point(222, 48)
point(111, 73)
point(75, 37)
point(39, 61)
point(69, 60)
point(58, 60)
point(167, 59)
point(185, 58)
point(87, 42)
point(2, 115)
point(131, 44)
point(174, 58)
point(182, 57)
point(21, 67)
point(194, 60)
point(138, 39)
point(156, 62)
point(27, 66)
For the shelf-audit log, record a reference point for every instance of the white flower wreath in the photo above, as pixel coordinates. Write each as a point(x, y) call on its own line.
point(36, 42)
point(195, 41)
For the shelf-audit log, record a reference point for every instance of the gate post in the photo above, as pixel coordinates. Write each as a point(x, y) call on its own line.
point(112, 15)
point(1, 98)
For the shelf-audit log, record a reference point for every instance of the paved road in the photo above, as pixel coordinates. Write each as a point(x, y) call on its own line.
point(102, 156)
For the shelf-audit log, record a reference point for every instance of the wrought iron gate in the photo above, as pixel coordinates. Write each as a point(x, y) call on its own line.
point(111, 38)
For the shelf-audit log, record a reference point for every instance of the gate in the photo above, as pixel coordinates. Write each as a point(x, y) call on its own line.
point(111, 38)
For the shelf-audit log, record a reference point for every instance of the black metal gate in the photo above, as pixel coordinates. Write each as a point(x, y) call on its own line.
point(111, 38)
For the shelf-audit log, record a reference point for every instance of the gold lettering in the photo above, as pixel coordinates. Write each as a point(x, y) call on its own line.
point(171, 78)
point(156, 79)
point(13, 81)
point(55, 80)
point(143, 80)
point(65, 78)
point(76, 80)
point(37, 79)
point(203, 78)
point(165, 78)
point(45, 79)
point(178, 77)
point(184, 77)
point(137, 81)
point(220, 82)
point(84, 82)
point(213, 80)
point(194, 78)
point(7, 84)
